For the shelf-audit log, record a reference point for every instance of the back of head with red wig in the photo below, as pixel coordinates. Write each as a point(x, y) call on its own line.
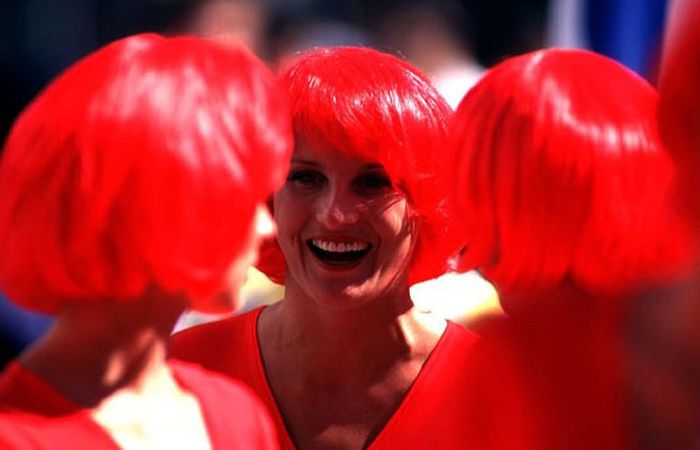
point(378, 108)
point(679, 105)
point(141, 165)
point(559, 177)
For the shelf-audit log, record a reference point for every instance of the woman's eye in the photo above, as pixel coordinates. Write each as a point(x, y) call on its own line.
point(373, 183)
point(305, 178)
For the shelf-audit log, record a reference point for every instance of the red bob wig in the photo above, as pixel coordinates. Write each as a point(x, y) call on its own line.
point(140, 165)
point(378, 108)
point(559, 177)
point(679, 106)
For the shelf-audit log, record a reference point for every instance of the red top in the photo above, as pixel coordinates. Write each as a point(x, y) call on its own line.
point(551, 379)
point(431, 414)
point(33, 415)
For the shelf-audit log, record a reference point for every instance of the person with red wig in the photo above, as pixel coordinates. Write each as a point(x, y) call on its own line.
point(667, 327)
point(679, 103)
point(563, 191)
point(345, 360)
point(131, 188)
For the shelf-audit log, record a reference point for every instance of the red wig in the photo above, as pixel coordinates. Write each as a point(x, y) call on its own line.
point(679, 106)
point(141, 165)
point(378, 108)
point(559, 177)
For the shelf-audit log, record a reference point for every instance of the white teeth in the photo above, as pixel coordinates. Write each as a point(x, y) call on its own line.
point(340, 247)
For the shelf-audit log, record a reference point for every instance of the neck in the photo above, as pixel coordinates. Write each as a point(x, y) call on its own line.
point(96, 348)
point(345, 346)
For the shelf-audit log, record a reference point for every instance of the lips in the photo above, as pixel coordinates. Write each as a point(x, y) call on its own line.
point(339, 253)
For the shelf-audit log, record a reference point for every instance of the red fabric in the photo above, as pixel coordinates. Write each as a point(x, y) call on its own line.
point(550, 379)
point(431, 415)
point(33, 415)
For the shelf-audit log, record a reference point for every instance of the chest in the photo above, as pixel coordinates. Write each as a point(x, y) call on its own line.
point(342, 415)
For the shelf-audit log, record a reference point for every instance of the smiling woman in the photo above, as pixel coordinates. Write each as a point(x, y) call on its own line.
point(345, 230)
point(345, 359)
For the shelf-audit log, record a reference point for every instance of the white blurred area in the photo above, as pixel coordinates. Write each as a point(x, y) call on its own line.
point(463, 298)
point(258, 290)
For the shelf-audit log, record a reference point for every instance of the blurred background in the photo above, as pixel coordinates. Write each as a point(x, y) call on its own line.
point(452, 41)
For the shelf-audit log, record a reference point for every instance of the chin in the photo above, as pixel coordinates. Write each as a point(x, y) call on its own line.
point(349, 297)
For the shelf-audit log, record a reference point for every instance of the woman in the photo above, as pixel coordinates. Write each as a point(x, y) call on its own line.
point(131, 188)
point(563, 190)
point(344, 360)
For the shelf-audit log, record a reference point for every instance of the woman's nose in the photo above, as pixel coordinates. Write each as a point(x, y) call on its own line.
point(338, 209)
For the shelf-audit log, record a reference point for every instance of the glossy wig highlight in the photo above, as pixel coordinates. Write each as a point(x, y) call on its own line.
point(559, 177)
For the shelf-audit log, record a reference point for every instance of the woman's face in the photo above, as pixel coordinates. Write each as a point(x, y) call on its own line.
point(343, 228)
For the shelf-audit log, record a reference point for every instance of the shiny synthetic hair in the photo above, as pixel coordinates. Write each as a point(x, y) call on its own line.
point(376, 107)
point(559, 176)
point(679, 105)
point(141, 165)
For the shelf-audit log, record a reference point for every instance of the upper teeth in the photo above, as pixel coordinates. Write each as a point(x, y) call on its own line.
point(340, 246)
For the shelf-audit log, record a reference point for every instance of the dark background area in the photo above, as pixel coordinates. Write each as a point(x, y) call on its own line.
point(39, 38)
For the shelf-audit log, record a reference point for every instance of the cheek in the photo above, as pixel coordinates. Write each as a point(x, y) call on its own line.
point(289, 216)
point(395, 225)
point(398, 223)
point(397, 219)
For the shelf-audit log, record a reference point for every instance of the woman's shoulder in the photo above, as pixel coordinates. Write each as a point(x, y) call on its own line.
point(23, 430)
point(208, 384)
point(235, 416)
point(452, 353)
point(14, 434)
point(459, 337)
point(23, 391)
point(228, 346)
point(214, 336)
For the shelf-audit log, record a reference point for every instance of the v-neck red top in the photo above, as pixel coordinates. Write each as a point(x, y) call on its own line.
point(431, 414)
point(34, 415)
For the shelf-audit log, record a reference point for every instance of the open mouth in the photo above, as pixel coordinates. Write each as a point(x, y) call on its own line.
point(339, 253)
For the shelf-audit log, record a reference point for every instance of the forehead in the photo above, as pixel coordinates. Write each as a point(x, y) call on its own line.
point(330, 158)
